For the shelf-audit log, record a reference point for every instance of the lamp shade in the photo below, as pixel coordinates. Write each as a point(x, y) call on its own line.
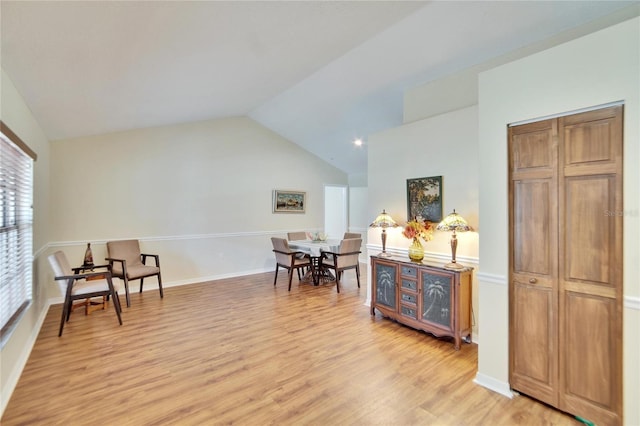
point(453, 222)
point(384, 220)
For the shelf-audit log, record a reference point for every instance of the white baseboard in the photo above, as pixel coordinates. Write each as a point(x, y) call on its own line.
point(492, 384)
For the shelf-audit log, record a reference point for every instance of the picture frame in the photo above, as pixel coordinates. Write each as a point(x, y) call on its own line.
point(285, 201)
point(424, 198)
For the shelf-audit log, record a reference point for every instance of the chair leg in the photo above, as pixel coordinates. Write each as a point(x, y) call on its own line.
point(338, 273)
point(358, 274)
point(69, 309)
point(116, 306)
point(275, 278)
point(116, 301)
point(141, 282)
point(64, 316)
point(126, 290)
point(290, 277)
point(159, 286)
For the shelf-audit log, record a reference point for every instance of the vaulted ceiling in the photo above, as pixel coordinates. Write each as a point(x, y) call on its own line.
point(319, 73)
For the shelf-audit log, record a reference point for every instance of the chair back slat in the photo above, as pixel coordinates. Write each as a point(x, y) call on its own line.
point(128, 250)
point(281, 248)
point(351, 245)
point(295, 236)
point(61, 268)
point(351, 235)
point(60, 264)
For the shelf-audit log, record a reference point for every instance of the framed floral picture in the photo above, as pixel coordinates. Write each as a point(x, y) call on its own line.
point(289, 201)
point(424, 198)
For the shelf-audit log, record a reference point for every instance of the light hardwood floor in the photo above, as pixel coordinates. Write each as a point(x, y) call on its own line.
point(239, 351)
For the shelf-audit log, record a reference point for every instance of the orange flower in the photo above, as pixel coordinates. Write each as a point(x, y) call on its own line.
point(418, 229)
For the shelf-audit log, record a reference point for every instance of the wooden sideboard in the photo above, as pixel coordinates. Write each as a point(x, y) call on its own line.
point(423, 296)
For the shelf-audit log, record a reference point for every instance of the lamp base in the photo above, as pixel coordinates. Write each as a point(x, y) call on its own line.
point(454, 266)
point(384, 254)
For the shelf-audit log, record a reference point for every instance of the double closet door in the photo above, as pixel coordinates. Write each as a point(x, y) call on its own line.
point(565, 283)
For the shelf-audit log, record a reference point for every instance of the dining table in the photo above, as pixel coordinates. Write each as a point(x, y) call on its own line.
point(314, 249)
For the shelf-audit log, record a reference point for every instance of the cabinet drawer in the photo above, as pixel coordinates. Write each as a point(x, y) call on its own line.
point(408, 298)
point(409, 271)
point(411, 285)
point(408, 312)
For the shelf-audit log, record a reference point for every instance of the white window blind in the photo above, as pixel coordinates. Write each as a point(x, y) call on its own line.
point(16, 228)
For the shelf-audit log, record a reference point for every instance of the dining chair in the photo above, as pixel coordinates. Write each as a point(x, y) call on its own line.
point(128, 263)
point(288, 259)
point(351, 235)
point(294, 236)
point(75, 286)
point(345, 258)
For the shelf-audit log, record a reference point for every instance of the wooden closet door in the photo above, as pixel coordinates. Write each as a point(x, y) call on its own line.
point(590, 269)
point(565, 271)
point(533, 282)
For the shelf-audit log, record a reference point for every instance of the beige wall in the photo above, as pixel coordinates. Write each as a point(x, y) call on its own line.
point(596, 69)
point(445, 145)
point(15, 351)
point(199, 194)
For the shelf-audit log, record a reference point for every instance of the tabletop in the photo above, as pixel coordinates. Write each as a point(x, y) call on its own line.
point(314, 248)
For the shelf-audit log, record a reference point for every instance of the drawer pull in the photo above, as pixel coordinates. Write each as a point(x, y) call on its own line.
point(408, 298)
point(409, 271)
point(533, 280)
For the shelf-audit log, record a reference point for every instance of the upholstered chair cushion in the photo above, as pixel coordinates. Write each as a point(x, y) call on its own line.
point(129, 250)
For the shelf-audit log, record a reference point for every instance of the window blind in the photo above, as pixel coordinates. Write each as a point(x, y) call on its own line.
point(16, 228)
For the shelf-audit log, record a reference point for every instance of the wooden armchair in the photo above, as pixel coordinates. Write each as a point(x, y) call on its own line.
point(128, 263)
point(345, 258)
point(288, 259)
point(82, 286)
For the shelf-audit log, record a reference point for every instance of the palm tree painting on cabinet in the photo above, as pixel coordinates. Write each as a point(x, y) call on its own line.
point(436, 303)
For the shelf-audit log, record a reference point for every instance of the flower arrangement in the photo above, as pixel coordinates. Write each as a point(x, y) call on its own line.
point(418, 228)
point(317, 236)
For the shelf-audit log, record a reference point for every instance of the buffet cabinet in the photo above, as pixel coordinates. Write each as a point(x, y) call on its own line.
point(422, 296)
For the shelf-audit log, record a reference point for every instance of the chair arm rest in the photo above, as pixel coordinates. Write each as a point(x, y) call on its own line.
point(90, 268)
point(341, 254)
point(80, 276)
point(122, 262)
point(155, 256)
point(288, 253)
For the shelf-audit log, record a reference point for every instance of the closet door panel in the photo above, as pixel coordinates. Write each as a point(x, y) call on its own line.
point(531, 231)
point(533, 366)
point(589, 236)
point(589, 376)
point(590, 268)
point(533, 260)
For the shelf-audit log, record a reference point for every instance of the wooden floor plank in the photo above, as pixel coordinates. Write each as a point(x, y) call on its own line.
point(241, 351)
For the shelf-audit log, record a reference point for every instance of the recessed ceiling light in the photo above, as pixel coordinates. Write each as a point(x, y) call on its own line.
point(357, 142)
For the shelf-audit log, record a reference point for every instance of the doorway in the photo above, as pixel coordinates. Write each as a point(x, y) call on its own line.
point(336, 211)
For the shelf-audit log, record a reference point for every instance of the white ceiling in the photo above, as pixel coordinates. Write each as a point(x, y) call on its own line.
point(319, 73)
